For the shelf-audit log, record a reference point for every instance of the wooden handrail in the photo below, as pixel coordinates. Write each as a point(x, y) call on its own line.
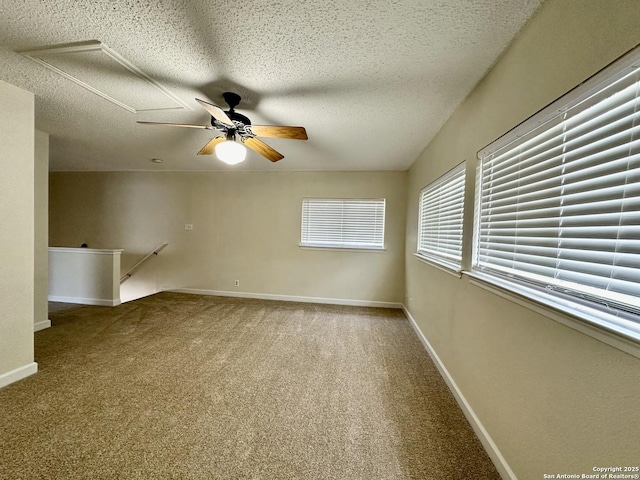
point(133, 269)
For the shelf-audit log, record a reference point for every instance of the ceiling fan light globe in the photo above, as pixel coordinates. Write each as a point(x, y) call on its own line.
point(231, 152)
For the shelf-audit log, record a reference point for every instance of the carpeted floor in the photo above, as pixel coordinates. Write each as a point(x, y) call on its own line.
point(177, 386)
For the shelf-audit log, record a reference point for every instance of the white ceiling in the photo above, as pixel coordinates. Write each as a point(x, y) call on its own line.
point(372, 81)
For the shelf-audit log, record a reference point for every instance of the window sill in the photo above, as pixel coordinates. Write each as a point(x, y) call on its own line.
point(440, 266)
point(343, 249)
point(578, 317)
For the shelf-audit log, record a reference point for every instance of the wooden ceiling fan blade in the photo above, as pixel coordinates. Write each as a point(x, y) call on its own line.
point(278, 131)
point(209, 148)
point(263, 149)
point(186, 125)
point(216, 112)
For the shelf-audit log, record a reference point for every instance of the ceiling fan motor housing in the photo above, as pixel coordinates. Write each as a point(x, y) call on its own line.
point(231, 99)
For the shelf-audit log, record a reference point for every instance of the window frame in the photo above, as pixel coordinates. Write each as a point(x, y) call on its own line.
point(613, 325)
point(441, 255)
point(378, 227)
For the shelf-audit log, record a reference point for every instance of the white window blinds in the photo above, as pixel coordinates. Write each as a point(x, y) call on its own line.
point(440, 220)
point(559, 205)
point(343, 223)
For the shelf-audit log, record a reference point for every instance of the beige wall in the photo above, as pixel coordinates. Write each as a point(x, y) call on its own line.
point(246, 227)
point(552, 399)
point(41, 231)
point(16, 233)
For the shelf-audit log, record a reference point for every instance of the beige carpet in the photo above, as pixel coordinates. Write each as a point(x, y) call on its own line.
point(178, 386)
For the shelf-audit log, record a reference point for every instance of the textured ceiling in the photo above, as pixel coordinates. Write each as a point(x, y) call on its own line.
point(372, 82)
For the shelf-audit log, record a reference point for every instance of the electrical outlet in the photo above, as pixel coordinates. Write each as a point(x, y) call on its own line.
point(237, 283)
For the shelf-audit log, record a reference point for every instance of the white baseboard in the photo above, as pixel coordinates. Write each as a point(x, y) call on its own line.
point(18, 374)
point(103, 302)
point(487, 442)
point(41, 325)
point(289, 298)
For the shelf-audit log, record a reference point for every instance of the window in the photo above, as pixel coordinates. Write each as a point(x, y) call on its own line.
point(343, 223)
point(440, 219)
point(558, 202)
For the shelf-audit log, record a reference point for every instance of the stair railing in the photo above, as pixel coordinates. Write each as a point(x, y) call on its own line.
point(133, 269)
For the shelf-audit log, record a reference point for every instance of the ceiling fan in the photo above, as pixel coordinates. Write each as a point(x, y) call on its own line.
point(237, 130)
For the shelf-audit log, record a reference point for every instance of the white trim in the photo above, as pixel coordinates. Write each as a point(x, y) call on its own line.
point(85, 301)
point(41, 325)
point(342, 249)
point(289, 298)
point(436, 264)
point(93, 251)
point(487, 442)
point(554, 312)
point(84, 85)
point(18, 374)
point(96, 46)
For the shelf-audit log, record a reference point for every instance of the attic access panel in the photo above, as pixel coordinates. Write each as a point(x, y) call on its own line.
point(101, 70)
